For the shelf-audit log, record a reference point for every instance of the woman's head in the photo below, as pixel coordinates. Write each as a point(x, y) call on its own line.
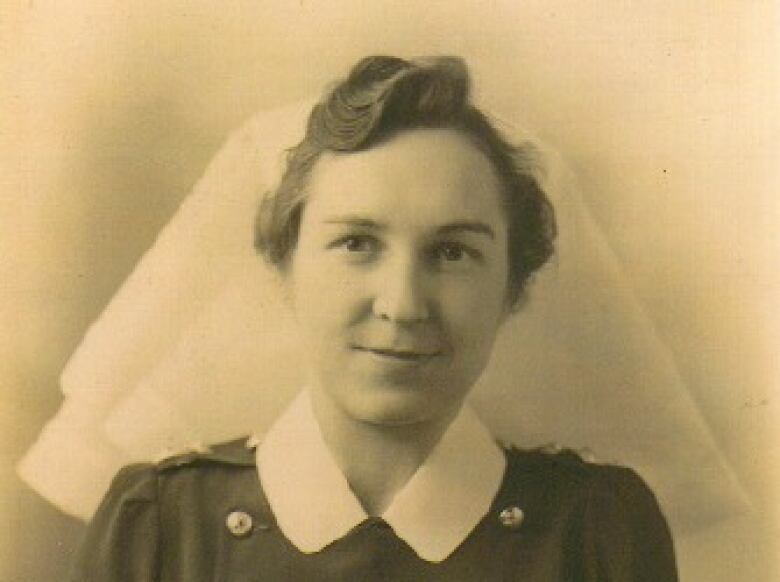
point(382, 97)
point(405, 228)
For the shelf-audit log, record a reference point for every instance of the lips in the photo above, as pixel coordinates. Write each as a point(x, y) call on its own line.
point(400, 354)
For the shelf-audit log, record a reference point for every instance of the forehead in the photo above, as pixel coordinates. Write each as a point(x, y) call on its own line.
point(420, 176)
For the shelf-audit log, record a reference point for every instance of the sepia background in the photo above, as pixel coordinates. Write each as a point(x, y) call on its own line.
point(667, 112)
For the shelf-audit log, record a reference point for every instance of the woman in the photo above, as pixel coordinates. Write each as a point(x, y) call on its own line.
point(405, 230)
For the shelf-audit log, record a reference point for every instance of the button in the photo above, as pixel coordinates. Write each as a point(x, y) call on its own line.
point(239, 523)
point(511, 517)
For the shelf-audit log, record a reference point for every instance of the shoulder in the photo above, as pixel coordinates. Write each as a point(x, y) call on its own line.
point(605, 515)
point(563, 480)
point(550, 466)
point(167, 503)
point(618, 525)
point(222, 462)
point(182, 489)
point(572, 468)
point(235, 453)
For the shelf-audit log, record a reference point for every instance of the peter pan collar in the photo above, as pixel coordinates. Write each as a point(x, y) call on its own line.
point(434, 513)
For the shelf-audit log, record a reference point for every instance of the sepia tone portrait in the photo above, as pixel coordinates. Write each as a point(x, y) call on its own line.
point(462, 291)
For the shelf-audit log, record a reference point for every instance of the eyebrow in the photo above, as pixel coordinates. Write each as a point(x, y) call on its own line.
point(456, 226)
point(467, 226)
point(357, 221)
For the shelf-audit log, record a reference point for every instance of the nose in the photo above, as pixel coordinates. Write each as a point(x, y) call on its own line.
point(401, 294)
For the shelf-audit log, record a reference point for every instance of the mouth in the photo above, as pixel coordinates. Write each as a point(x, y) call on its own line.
point(400, 355)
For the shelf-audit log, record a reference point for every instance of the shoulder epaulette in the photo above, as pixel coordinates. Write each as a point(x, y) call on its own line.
point(236, 452)
point(554, 453)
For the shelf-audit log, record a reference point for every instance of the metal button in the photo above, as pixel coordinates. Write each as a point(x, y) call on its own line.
point(511, 517)
point(239, 523)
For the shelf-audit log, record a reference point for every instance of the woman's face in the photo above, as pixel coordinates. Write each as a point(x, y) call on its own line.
point(399, 278)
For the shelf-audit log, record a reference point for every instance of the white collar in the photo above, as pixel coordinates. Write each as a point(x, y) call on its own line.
point(434, 513)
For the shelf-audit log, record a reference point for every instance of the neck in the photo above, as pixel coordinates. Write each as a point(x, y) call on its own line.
point(376, 459)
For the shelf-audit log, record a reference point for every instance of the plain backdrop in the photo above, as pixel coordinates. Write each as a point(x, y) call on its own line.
point(667, 111)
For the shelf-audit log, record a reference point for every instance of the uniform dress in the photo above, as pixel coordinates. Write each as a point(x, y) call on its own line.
point(282, 511)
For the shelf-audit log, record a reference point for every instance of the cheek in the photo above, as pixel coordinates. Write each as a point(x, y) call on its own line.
point(483, 296)
point(323, 300)
point(474, 312)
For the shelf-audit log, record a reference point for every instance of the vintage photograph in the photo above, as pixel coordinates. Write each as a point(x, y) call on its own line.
point(460, 291)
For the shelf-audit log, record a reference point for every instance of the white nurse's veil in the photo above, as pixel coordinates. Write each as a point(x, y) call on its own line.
point(194, 348)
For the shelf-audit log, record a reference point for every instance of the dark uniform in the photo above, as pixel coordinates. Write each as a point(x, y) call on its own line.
point(203, 517)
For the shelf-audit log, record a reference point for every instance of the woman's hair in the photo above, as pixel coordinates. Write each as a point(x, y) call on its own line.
point(383, 96)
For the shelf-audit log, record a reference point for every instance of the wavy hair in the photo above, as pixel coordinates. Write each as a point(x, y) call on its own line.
point(383, 96)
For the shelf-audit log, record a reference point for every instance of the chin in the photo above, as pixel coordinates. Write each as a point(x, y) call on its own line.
point(391, 408)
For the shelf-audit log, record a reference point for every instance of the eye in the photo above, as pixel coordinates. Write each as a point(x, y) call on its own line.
point(451, 252)
point(355, 243)
point(454, 252)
